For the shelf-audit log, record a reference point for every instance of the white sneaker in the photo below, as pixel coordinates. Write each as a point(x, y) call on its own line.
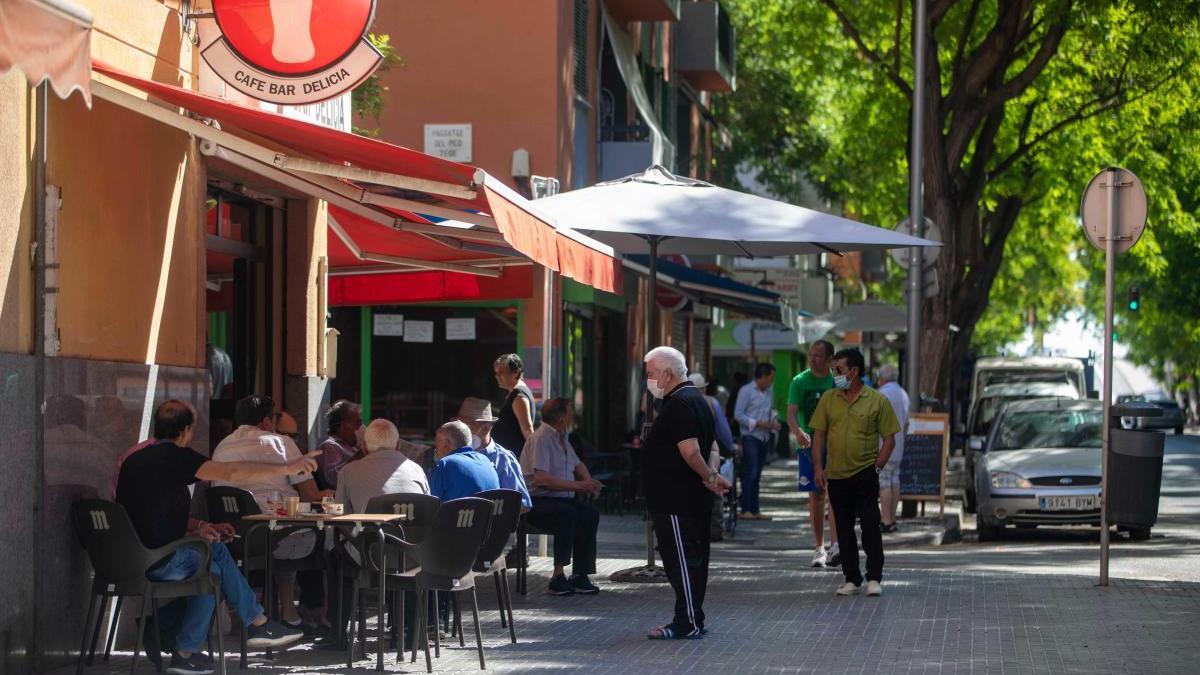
point(818, 559)
point(874, 588)
point(848, 589)
point(835, 556)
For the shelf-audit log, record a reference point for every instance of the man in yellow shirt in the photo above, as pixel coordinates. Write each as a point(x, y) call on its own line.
point(850, 420)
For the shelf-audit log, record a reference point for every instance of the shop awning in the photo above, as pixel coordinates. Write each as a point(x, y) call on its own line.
point(718, 291)
point(48, 40)
point(395, 187)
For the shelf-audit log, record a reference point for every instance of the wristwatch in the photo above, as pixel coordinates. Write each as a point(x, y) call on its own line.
point(712, 477)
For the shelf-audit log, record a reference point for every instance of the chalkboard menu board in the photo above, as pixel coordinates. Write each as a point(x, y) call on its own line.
point(923, 468)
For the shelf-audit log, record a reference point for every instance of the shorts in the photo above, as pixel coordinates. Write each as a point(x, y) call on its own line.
point(889, 475)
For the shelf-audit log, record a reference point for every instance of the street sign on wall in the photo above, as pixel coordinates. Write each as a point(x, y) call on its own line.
point(448, 141)
point(293, 52)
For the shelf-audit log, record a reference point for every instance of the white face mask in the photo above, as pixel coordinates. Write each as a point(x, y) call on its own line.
point(476, 442)
point(652, 386)
point(841, 381)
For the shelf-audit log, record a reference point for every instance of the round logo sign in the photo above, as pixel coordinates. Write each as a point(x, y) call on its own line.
point(293, 52)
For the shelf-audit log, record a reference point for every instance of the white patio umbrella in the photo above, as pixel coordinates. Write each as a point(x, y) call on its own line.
point(657, 213)
point(871, 316)
point(683, 215)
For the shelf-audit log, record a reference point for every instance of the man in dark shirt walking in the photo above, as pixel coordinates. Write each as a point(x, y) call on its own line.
point(679, 487)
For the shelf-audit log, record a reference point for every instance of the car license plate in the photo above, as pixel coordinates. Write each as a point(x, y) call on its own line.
point(1073, 503)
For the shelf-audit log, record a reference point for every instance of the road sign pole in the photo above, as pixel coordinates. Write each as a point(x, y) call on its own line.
point(1113, 214)
point(1111, 229)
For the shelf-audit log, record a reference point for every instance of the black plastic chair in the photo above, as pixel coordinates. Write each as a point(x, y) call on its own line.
point(417, 512)
point(120, 562)
point(506, 513)
point(524, 530)
point(446, 558)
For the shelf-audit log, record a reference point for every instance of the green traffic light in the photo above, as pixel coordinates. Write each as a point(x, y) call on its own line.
point(1134, 304)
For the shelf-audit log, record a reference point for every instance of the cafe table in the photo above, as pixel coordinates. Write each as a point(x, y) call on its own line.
point(356, 522)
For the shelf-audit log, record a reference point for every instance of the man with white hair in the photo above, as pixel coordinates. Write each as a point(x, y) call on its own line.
point(679, 485)
point(889, 476)
point(383, 470)
point(460, 471)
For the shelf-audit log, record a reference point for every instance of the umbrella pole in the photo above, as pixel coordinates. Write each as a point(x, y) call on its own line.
point(650, 572)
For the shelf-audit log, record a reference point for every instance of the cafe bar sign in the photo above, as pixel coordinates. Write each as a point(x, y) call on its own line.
point(293, 52)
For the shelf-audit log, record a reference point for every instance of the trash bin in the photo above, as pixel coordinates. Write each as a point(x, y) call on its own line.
point(1135, 463)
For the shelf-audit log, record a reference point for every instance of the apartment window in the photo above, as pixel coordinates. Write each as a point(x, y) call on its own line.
point(581, 47)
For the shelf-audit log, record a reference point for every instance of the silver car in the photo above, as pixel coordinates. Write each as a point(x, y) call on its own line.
point(1171, 416)
point(1040, 465)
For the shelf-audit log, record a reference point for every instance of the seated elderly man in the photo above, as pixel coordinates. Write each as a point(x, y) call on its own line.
point(459, 471)
point(476, 413)
point(384, 470)
point(256, 440)
point(556, 475)
point(153, 487)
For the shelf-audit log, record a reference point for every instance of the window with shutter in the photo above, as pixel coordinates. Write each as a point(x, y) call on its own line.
point(581, 47)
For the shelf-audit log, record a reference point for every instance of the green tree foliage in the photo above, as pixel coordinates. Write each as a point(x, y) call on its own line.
point(368, 99)
point(1025, 101)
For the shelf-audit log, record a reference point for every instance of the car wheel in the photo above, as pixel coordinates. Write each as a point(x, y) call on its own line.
point(1139, 533)
point(970, 501)
point(990, 532)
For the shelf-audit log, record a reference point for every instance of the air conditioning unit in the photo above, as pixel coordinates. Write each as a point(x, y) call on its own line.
point(543, 186)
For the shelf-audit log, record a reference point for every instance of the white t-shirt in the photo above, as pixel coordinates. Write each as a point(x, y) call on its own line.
point(899, 399)
point(251, 444)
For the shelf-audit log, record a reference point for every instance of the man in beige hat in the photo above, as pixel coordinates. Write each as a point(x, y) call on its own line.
point(476, 413)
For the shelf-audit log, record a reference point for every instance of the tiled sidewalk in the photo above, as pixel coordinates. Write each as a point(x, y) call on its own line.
point(769, 613)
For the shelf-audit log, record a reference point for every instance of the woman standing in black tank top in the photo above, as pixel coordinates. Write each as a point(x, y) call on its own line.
point(515, 421)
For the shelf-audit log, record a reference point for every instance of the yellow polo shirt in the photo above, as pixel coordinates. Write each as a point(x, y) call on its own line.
point(853, 430)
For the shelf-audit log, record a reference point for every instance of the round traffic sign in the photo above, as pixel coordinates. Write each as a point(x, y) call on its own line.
point(928, 255)
point(1129, 211)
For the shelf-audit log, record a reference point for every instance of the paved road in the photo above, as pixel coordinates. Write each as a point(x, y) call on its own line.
point(1024, 605)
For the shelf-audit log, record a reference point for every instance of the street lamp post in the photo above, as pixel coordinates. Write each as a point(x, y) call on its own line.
point(916, 210)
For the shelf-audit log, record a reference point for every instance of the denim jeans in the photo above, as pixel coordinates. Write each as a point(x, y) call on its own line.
point(754, 456)
point(193, 630)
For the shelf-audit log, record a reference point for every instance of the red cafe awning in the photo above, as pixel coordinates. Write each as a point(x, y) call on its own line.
point(378, 180)
point(48, 40)
point(403, 288)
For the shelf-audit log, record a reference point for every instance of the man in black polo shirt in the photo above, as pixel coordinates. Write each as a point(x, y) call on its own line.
point(152, 485)
point(679, 487)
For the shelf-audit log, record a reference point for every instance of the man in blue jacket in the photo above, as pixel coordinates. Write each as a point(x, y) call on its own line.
point(460, 471)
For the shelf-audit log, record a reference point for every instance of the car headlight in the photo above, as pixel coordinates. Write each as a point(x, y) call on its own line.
point(1005, 479)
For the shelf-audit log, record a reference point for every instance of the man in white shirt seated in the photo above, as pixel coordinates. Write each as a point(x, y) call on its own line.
point(555, 475)
point(255, 440)
point(384, 470)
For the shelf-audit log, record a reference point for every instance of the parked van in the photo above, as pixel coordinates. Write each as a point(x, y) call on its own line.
point(999, 381)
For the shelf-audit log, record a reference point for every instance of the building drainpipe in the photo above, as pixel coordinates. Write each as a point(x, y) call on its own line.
point(41, 102)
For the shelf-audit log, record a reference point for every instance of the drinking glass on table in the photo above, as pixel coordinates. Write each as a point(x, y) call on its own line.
point(274, 502)
point(326, 502)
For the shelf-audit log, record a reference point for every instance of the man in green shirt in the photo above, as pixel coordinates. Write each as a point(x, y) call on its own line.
point(803, 395)
point(852, 419)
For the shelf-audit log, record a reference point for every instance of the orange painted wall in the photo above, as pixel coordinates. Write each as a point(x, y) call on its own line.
point(503, 67)
point(121, 174)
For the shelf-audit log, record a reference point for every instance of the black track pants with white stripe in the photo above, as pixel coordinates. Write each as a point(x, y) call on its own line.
point(683, 543)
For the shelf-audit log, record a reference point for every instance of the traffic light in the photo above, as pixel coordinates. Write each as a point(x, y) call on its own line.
point(1135, 298)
